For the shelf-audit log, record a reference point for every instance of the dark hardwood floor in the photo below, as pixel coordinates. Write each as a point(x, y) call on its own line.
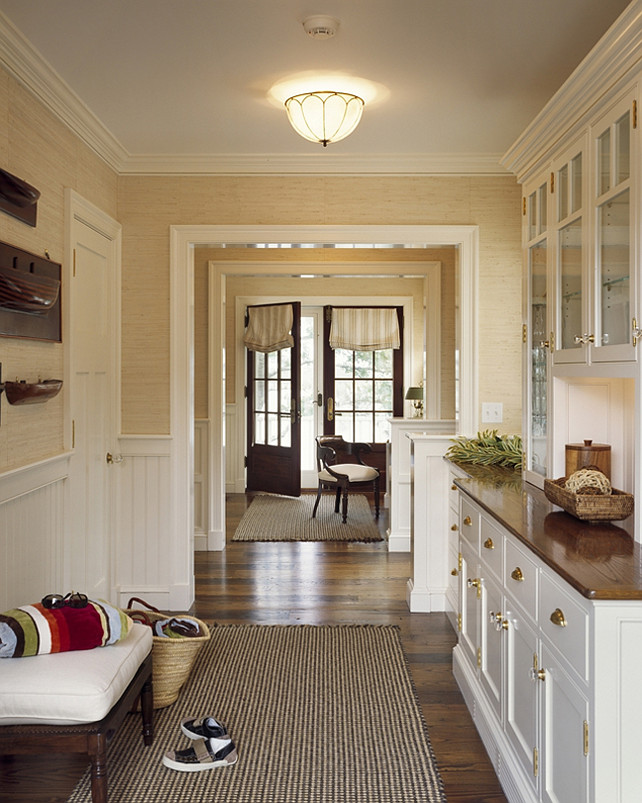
point(314, 583)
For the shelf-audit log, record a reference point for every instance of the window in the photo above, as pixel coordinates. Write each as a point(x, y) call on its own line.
point(365, 389)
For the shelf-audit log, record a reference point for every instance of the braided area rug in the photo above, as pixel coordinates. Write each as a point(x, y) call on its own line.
point(319, 714)
point(286, 518)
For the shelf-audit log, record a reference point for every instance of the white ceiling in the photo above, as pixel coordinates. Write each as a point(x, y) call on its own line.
point(191, 77)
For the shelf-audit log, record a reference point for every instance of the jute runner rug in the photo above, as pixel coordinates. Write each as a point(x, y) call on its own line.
point(285, 518)
point(319, 714)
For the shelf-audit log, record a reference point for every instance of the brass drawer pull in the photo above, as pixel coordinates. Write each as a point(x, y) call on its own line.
point(453, 487)
point(517, 574)
point(454, 572)
point(468, 521)
point(454, 527)
point(488, 544)
point(558, 618)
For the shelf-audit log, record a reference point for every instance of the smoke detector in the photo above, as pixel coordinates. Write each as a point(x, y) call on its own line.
point(320, 26)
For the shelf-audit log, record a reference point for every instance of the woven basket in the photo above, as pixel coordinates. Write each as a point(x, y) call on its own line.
point(172, 658)
point(589, 507)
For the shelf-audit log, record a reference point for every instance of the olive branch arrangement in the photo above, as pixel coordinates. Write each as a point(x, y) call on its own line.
point(488, 449)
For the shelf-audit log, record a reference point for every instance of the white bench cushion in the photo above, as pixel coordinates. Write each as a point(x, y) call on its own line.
point(67, 688)
point(354, 471)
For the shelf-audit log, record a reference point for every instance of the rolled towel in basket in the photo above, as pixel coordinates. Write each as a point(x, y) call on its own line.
point(176, 627)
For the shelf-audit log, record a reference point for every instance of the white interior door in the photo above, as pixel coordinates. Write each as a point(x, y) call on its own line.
point(92, 344)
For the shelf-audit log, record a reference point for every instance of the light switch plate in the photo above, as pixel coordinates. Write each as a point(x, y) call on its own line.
point(492, 412)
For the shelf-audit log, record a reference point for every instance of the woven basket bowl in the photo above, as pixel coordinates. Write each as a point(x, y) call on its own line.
point(172, 659)
point(589, 507)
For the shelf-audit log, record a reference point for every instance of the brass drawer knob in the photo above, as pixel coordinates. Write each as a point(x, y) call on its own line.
point(517, 574)
point(468, 521)
point(454, 527)
point(453, 487)
point(558, 618)
point(454, 572)
point(488, 544)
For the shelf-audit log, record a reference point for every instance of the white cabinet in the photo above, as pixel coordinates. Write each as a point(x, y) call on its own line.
point(581, 238)
point(564, 765)
point(544, 670)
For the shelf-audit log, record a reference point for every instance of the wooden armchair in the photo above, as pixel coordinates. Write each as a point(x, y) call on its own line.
point(341, 477)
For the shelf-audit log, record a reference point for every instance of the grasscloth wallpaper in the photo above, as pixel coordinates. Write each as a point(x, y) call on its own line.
point(37, 147)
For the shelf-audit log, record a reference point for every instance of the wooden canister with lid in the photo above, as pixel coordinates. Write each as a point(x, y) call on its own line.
point(582, 455)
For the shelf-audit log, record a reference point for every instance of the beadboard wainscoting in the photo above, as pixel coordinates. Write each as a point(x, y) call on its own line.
point(235, 449)
point(201, 485)
point(32, 515)
point(147, 562)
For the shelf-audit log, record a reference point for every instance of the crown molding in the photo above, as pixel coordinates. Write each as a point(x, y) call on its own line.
point(30, 69)
point(616, 54)
point(320, 163)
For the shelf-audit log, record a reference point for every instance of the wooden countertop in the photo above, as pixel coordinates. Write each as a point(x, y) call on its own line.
point(600, 561)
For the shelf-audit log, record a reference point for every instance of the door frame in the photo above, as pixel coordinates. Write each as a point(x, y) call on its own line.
point(183, 240)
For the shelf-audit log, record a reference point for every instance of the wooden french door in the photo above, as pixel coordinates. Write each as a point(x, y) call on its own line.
point(273, 417)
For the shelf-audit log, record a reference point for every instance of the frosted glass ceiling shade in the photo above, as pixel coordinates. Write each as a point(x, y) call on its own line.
point(324, 116)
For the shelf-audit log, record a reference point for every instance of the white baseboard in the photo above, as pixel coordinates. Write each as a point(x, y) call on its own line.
point(216, 541)
point(398, 543)
point(425, 601)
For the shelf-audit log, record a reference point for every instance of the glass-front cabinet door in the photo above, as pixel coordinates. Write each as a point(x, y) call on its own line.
point(613, 304)
point(537, 333)
point(569, 230)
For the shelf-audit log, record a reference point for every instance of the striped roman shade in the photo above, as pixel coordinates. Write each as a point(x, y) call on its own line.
point(364, 329)
point(269, 328)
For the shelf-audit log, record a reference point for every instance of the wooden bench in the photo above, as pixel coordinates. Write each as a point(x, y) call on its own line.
point(25, 729)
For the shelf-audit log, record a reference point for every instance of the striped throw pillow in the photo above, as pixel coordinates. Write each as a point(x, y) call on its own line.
point(36, 630)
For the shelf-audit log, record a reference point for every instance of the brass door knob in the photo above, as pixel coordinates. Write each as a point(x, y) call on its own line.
point(517, 574)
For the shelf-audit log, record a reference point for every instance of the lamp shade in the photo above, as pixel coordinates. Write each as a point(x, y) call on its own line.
point(324, 116)
point(415, 393)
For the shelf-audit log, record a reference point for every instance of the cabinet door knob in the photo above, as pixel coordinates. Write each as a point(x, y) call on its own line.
point(454, 572)
point(454, 527)
point(476, 583)
point(468, 521)
point(558, 618)
point(453, 487)
point(537, 674)
point(488, 544)
point(517, 574)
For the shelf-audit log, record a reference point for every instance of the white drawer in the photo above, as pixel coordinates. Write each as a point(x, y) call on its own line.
point(521, 578)
point(453, 526)
point(492, 548)
point(453, 492)
point(469, 518)
point(565, 623)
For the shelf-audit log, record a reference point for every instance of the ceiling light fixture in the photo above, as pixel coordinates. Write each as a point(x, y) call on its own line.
point(324, 116)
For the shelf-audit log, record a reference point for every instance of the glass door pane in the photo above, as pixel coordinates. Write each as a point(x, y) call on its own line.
point(538, 357)
point(614, 261)
point(570, 263)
